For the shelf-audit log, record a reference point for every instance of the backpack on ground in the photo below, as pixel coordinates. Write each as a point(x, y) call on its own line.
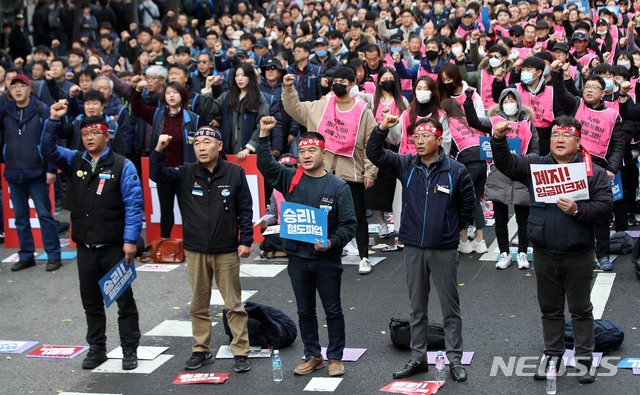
point(400, 332)
point(607, 336)
point(267, 326)
point(621, 243)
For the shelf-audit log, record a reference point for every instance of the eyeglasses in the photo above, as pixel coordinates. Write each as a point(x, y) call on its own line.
point(593, 87)
point(271, 68)
point(203, 61)
point(16, 86)
point(422, 136)
point(494, 56)
point(564, 135)
point(514, 34)
point(92, 133)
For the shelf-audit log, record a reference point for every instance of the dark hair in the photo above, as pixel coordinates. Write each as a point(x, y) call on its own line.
point(182, 49)
point(345, 72)
point(43, 50)
point(302, 45)
point(535, 62)
point(78, 52)
point(506, 41)
point(432, 106)
point(88, 72)
point(176, 27)
point(397, 92)
point(248, 36)
point(211, 32)
point(93, 119)
point(373, 48)
point(602, 68)
point(565, 120)
point(334, 34)
point(306, 27)
point(597, 78)
point(61, 60)
point(450, 25)
point(252, 99)
point(184, 97)
point(622, 71)
point(45, 66)
point(158, 38)
point(180, 66)
point(544, 55)
point(107, 36)
point(94, 95)
point(452, 108)
point(452, 72)
point(499, 49)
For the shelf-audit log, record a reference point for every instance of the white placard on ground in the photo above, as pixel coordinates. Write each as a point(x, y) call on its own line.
point(172, 328)
point(224, 352)
point(323, 384)
point(144, 367)
point(157, 267)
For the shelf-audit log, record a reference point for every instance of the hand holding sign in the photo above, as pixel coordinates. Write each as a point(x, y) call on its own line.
point(321, 248)
point(567, 205)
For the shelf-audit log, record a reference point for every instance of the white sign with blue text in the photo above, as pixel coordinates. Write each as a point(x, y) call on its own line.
point(303, 223)
point(485, 147)
point(114, 283)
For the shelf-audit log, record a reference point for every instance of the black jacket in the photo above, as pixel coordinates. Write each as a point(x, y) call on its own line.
point(215, 206)
point(550, 228)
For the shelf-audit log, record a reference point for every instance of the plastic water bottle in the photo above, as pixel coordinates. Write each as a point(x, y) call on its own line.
point(276, 362)
point(551, 378)
point(440, 374)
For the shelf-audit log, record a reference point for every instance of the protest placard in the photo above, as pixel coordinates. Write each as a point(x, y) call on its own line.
point(551, 182)
point(116, 281)
point(303, 223)
point(485, 147)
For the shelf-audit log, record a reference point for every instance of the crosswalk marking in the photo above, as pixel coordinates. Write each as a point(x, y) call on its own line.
point(491, 254)
point(600, 293)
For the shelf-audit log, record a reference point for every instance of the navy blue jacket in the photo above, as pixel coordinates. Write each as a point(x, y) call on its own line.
point(550, 228)
point(189, 129)
point(308, 86)
point(437, 201)
point(21, 139)
point(130, 188)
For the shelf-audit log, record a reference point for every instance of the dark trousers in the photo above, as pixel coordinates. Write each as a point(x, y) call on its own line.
point(362, 229)
point(602, 237)
point(559, 277)
point(166, 194)
point(478, 173)
point(325, 275)
point(93, 264)
point(501, 215)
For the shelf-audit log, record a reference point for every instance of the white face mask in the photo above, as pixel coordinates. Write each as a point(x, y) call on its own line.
point(455, 51)
point(546, 71)
point(514, 55)
point(481, 50)
point(235, 43)
point(354, 91)
point(602, 32)
point(274, 35)
point(510, 108)
point(493, 62)
point(625, 64)
point(423, 96)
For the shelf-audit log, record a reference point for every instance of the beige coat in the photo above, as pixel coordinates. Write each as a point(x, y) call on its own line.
point(309, 114)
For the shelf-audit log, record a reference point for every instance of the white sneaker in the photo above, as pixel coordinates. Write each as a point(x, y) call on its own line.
point(504, 261)
point(383, 232)
point(515, 241)
point(523, 262)
point(351, 248)
point(471, 232)
point(480, 246)
point(365, 266)
point(465, 247)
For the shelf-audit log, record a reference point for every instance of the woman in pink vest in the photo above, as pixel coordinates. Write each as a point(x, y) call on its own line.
point(501, 190)
point(387, 99)
point(465, 148)
point(451, 85)
point(425, 104)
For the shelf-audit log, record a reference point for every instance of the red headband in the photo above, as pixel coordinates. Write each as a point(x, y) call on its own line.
point(288, 160)
point(306, 142)
point(100, 126)
point(565, 128)
point(428, 128)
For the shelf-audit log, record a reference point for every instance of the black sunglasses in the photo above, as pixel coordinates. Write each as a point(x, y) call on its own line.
point(514, 34)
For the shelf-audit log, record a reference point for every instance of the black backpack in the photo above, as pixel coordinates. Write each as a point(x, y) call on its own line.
point(400, 332)
point(607, 336)
point(267, 326)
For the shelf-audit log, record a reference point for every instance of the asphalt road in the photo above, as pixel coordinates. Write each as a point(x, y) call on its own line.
point(501, 319)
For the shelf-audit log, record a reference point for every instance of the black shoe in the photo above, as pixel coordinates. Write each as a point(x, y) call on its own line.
point(458, 373)
point(21, 265)
point(198, 359)
point(410, 368)
point(241, 364)
point(543, 366)
point(585, 365)
point(94, 359)
point(53, 265)
point(129, 360)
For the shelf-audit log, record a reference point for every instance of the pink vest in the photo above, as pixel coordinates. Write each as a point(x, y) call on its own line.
point(279, 200)
point(542, 105)
point(614, 105)
point(460, 32)
point(572, 71)
point(597, 128)
point(393, 110)
point(632, 92)
point(405, 84)
point(559, 31)
point(464, 136)
point(521, 130)
point(369, 87)
point(543, 44)
point(501, 31)
point(524, 52)
point(463, 96)
point(340, 129)
point(587, 58)
point(406, 142)
point(486, 86)
point(422, 71)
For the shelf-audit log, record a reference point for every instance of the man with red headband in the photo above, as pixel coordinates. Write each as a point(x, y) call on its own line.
point(346, 125)
point(105, 199)
point(563, 237)
point(438, 199)
point(314, 267)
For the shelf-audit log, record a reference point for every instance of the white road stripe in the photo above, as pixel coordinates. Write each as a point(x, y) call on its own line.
point(512, 229)
point(600, 293)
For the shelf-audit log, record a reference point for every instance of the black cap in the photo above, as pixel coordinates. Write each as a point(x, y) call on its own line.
point(262, 43)
point(517, 29)
point(542, 25)
point(241, 52)
point(273, 63)
point(564, 47)
point(396, 38)
point(581, 36)
point(467, 13)
point(320, 41)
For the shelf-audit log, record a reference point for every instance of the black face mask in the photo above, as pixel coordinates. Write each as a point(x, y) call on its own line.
point(432, 55)
point(450, 88)
point(339, 89)
point(388, 85)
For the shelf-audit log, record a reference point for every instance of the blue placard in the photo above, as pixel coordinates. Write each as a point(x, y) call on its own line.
point(628, 363)
point(114, 283)
point(303, 223)
point(583, 5)
point(616, 187)
point(485, 147)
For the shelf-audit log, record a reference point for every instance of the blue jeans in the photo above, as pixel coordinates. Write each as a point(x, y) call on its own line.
point(39, 192)
point(325, 276)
